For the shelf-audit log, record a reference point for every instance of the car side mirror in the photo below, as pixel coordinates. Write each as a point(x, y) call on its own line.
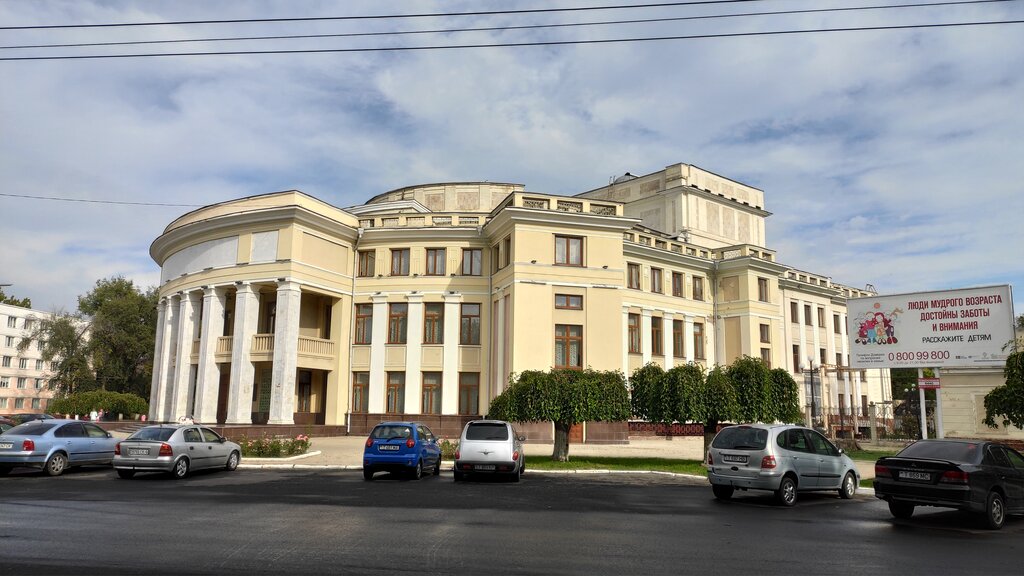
point(222, 440)
point(109, 435)
point(841, 451)
point(521, 438)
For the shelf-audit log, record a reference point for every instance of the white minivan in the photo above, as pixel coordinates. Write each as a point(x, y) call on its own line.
point(490, 447)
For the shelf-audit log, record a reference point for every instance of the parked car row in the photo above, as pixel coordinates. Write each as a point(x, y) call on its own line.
point(54, 445)
point(982, 477)
point(486, 447)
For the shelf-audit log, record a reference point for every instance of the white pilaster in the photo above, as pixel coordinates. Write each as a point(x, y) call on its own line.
point(688, 338)
point(161, 358)
point(378, 336)
point(625, 340)
point(178, 405)
point(208, 384)
point(243, 373)
point(497, 345)
point(171, 348)
point(666, 336)
point(414, 355)
point(286, 350)
point(645, 334)
point(450, 374)
point(802, 322)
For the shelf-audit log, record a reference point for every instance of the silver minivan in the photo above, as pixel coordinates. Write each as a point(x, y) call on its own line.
point(489, 447)
point(782, 458)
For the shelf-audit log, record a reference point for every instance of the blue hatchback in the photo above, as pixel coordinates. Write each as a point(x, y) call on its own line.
point(408, 447)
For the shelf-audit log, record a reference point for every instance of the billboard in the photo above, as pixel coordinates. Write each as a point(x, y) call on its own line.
point(954, 328)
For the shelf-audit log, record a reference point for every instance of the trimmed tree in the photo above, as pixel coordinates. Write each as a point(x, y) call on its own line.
point(646, 393)
point(1007, 401)
point(753, 383)
point(713, 402)
point(565, 397)
point(784, 403)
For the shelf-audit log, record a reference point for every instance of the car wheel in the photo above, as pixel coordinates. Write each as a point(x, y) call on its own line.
point(368, 474)
point(457, 476)
point(849, 487)
point(180, 468)
point(126, 474)
point(995, 511)
point(901, 510)
point(517, 475)
point(786, 494)
point(56, 464)
point(232, 462)
point(722, 492)
point(417, 472)
point(437, 467)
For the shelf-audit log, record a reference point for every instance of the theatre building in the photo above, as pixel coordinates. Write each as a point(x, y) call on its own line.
point(283, 310)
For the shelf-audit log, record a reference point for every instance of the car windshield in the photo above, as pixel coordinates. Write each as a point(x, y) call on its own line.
point(741, 438)
point(33, 428)
point(959, 452)
point(391, 432)
point(488, 431)
point(159, 434)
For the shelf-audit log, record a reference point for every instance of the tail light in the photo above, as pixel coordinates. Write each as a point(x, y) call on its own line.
point(369, 442)
point(28, 445)
point(409, 443)
point(165, 449)
point(458, 454)
point(515, 455)
point(768, 462)
point(711, 459)
point(954, 477)
point(882, 471)
point(117, 449)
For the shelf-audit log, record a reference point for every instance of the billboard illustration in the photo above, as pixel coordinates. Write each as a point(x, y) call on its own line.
point(953, 328)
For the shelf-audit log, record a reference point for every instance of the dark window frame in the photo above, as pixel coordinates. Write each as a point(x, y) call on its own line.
point(436, 261)
point(400, 261)
point(565, 337)
point(398, 323)
point(569, 302)
point(567, 258)
point(364, 324)
point(469, 325)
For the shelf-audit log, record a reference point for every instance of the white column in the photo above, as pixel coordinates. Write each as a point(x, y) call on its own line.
point(666, 336)
point(625, 340)
point(688, 338)
point(801, 321)
point(450, 374)
point(414, 355)
point(286, 350)
point(161, 358)
point(378, 336)
point(178, 406)
point(171, 348)
point(645, 334)
point(497, 345)
point(208, 384)
point(243, 373)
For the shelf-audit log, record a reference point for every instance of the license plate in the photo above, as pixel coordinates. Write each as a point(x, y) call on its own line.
point(387, 447)
point(138, 452)
point(740, 459)
point(6, 445)
point(907, 475)
point(484, 467)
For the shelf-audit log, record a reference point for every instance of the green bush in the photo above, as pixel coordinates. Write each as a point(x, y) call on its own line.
point(267, 447)
point(448, 449)
point(112, 404)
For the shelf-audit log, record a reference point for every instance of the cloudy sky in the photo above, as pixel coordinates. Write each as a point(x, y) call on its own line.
point(888, 157)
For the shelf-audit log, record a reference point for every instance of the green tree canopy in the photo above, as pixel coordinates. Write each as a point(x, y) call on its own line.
point(752, 381)
point(110, 402)
point(63, 341)
point(565, 397)
point(14, 301)
point(1007, 401)
point(784, 404)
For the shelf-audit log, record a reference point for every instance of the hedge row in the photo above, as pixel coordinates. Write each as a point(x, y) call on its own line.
point(110, 402)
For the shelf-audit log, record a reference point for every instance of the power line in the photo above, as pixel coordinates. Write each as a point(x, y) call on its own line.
point(520, 44)
point(59, 199)
point(509, 28)
point(382, 16)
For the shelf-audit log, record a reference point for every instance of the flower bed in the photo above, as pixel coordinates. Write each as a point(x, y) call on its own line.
point(267, 447)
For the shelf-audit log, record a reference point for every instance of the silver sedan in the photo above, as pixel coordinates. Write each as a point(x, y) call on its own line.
point(55, 445)
point(174, 449)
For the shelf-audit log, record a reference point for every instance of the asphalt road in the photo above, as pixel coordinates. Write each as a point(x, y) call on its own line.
point(316, 522)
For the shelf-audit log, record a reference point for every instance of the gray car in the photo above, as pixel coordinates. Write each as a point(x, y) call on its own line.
point(784, 459)
point(175, 449)
point(55, 445)
point(489, 447)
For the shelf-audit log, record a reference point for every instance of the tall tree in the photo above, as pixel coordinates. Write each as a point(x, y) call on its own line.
point(1007, 401)
point(713, 403)
point(753, 383)
point(785, 397)
point(63, 342)
point(14, 301)
point(122, 334)
point(565, 397)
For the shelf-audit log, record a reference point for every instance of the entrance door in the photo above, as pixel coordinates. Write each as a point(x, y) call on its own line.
point(222, 396)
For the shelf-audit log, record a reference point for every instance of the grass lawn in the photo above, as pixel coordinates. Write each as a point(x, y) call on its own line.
point(610, 463)
point(870, 455)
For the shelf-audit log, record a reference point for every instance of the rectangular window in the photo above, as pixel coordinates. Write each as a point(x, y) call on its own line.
point(506, 251)
point(469, 393)
point(360, 387)
point(657, 281)
point(766, 333)
point(39, 383)
point(794, 313)
point(395, 399)
point(21, 382)
point(495, 258)
point(633, 276)
point(364, 323)
point(435, 261)
point(35, 403)
point(10, 342)
point(19, 403)
point(822, 354)
point(12, 322)
point(23, 363)
point(698, 340)
point(400, 262)
point(568, 302)
point(634, 333)
point(821, 317)
point(677, 284)
point(472, 261)
point(657, 339)
point(469, 325)
point(796, 358)
point(367, 263)
point(5, 381)
point(836, 325)
point(431, 393)
point(568, 251)
point(568, 346)
point(839, 358)
point(766, 356)
point(3, 402)
point(398, 323)
point(678, 343)
point(807, 315)
point(864, 405)
point(39, 364)
point(762, 290)
point(433, 323)
point(698, 288)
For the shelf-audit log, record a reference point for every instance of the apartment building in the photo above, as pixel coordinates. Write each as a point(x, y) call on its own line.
point(23, 375)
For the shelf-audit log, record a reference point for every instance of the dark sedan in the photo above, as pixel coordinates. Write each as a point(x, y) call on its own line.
point(971, 475)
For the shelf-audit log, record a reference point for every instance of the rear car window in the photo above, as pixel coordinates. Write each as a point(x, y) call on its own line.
point(391, 432)
point(161, 434)
point(34, 428)
point(741, 439)
point(487, 432)
point(960, 452)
